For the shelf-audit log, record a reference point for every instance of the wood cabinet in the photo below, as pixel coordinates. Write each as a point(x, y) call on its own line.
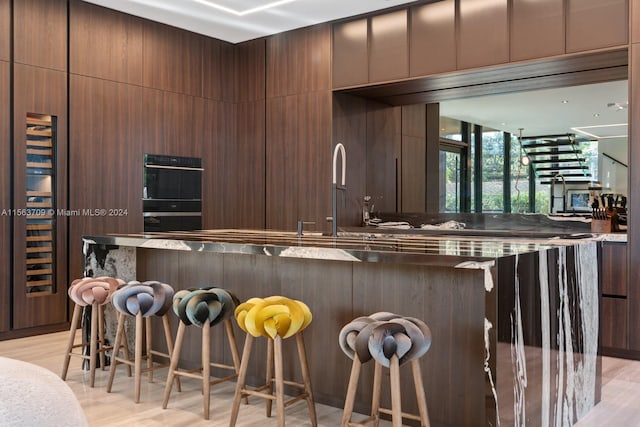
point(389, 47)
point(5, 199)
point(41, 37)
point(113, 39)
point(614, 327)
point(595, 24)
point(350, 53)
point(483, 36)
point(432, 40)
point(171, 59)
point(40, 197)
point(5, 29)
point(537, 29)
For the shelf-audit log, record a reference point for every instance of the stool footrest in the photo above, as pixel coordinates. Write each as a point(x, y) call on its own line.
point(404, 414)
point(259, 393)
point(363, 422)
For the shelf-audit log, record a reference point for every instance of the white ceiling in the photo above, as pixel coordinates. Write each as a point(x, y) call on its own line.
point(548, 111)
point(236, 21)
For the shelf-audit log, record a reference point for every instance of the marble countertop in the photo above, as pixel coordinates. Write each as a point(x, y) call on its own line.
point(355, 245)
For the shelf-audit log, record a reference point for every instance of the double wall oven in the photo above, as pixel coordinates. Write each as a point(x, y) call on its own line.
point(172, 193)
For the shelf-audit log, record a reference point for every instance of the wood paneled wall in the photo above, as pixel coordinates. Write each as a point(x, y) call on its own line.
point(5, 29)
point(40, 33)
point(413, 159)
point(104, 43)
point(5, 196)
point(298, 138)
point(633, 237)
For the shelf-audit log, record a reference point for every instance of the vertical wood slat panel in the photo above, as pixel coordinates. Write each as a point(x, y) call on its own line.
point(39, 90)
point(389, 49)
point(107, 119)
point(5, 29)
point(105, 43)
point(483, 33)
point(594, 24)
point(350, 53)
point(40, 38)
point(5, 197)
point(537, 29)
point(432, 40)
point(172, 59)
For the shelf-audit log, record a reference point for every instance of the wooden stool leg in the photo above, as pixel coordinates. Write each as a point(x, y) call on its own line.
point(124, 342)
point(242, 377)
point(101, 342)
point(269, 375)
point(306, 376)
point(173, 366)
point(169, 340)
point(206, 368)
point(352, 387)
point(75, 321)
point(420, 397)
point(116, 349)
point(147, 331)
point(138, 357)
point(396, 403)
point(231, 337)
point(277, 344)
point(377, 391)
point(93, 343)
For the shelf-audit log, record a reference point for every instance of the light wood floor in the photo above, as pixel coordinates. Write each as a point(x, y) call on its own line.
point(620, 404)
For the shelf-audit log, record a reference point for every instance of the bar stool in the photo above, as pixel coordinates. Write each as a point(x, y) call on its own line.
point(142, 301)
point(93, 292)
point(274, 318)
point(391, 341)
point(204, 307)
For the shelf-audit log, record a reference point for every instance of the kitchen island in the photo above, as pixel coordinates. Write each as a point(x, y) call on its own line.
point(514, 321)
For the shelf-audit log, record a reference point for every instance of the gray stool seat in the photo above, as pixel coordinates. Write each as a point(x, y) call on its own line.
point(390, 341)
point(141, 301)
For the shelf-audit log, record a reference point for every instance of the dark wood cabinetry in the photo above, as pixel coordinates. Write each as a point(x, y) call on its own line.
point(171, 59)
point(113, 39)
point(5, 199)
point(39, 188)
point(614, 328)
point(41, 39)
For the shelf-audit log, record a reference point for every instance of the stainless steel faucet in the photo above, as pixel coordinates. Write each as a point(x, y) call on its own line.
point(564, 191)
point(339, 149)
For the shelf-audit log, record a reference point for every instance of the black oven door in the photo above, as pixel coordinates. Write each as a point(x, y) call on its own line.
point(172, 178)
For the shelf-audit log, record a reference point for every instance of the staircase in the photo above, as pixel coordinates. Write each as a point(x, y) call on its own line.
point(551, 155)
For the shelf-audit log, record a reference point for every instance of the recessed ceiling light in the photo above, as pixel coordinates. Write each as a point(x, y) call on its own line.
point(565, 101)
point(246, 11)
point(596, 115)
